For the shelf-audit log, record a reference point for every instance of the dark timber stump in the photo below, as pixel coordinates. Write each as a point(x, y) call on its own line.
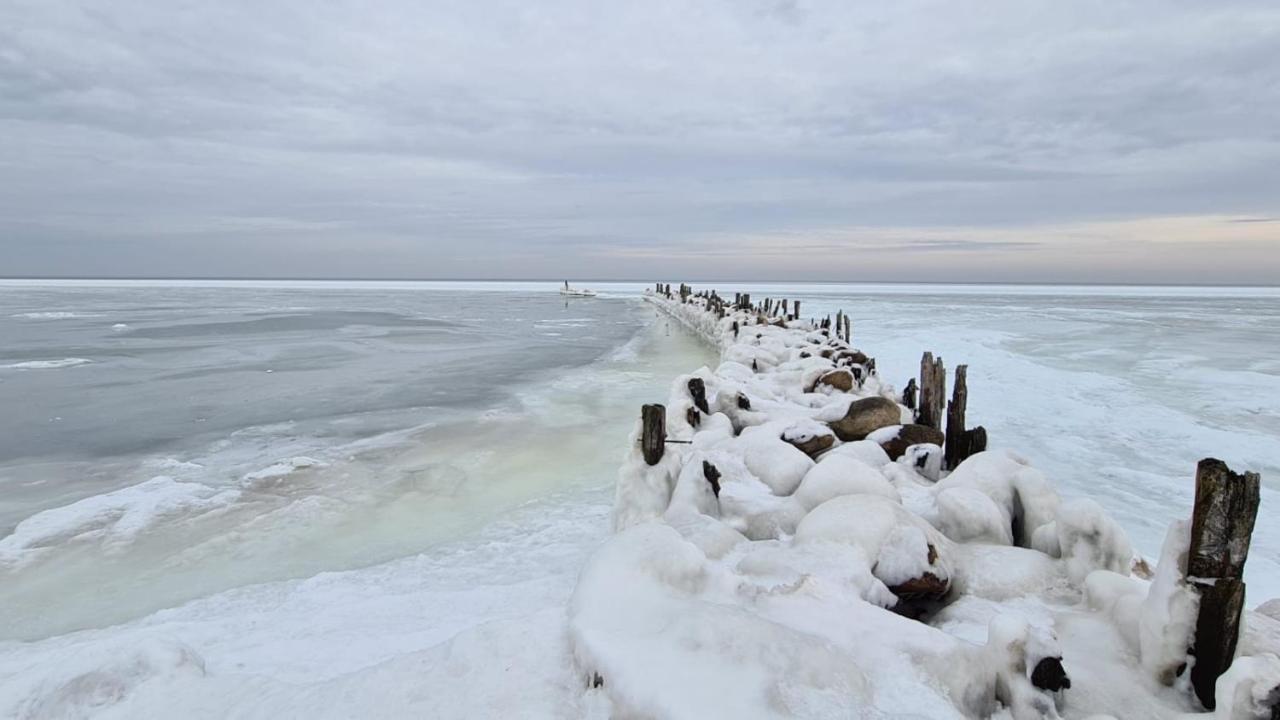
point(956, 451)
point(1221, 526)
point(933, 391)
point(653, 432)
point(712, 475)
point(698, 391)
point(909, 394)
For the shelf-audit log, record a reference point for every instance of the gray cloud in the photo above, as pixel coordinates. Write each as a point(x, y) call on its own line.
point(506, 139)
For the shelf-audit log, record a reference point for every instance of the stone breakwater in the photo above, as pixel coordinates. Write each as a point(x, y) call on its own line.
point(797, 538)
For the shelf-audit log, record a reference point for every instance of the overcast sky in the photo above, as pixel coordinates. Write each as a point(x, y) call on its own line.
point(1103, 141)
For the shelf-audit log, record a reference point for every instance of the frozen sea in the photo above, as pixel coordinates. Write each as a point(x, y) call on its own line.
point(323, 499)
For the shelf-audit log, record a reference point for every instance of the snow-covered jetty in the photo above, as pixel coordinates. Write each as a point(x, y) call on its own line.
point(797, 538)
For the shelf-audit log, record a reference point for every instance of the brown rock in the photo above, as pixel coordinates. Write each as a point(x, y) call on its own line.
point(866, 416)
point(838, 379)
point(909, 435)
point(926, 587)
point(852, 357)
point(919, 596)
point(813, 445)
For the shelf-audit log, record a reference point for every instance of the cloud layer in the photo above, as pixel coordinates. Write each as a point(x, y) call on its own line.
point(981, 141)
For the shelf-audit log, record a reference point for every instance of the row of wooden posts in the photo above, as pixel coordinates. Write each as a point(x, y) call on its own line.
point(960, 442)
point(1223, 517)
point(770, 308)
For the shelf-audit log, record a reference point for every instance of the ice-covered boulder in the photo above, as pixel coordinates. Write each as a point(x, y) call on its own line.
point(809, 437)
point(864, 450)
point(967, 515)
point(1088, 539)
point(925, 460)
point(647, 586)
point(838, 475)
point(779, 464)
point(865, 416)
point(896, 439)
point(1249, 689)
point(904, 552)
point(1025, 498)
point(839, 379)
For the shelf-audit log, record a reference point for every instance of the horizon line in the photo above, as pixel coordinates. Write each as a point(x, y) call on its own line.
point(625, 280)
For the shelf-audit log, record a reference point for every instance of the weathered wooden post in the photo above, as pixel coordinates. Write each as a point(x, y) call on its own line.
point(698, 391)
point(795, 311)
point(933, 390)
point(961, 443)
point(653, 432)
point(909, 394)
point(712, 474)
point(955, 417)
point(1221, 526)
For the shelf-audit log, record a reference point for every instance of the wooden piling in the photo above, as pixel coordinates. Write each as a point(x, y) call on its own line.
point(933, 391)
point(698, 391)
point(961, 443)
point(955, 416)
point(1221, 526)
point(712, 474)
point(653, 432)
point(909, 394)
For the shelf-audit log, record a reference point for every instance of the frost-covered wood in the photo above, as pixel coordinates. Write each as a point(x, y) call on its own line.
point(653, 434)
point(1221, 527)
point(698, 391)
